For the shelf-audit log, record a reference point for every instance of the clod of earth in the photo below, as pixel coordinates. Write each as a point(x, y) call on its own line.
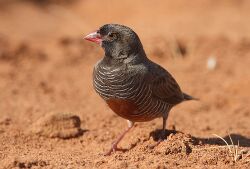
point(60, 125)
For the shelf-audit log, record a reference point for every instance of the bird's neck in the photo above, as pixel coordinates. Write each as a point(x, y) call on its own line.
point(111, 62)
point(132, 58)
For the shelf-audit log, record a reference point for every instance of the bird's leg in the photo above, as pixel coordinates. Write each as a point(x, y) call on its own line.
point(117, 141)
point(162, 135)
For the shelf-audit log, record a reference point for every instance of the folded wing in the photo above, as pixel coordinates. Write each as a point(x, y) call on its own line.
point(164, 87)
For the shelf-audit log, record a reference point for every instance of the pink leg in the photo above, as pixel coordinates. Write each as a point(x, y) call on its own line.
point(117, 141)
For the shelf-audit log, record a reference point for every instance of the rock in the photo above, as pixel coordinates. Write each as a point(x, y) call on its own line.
point(60, 125)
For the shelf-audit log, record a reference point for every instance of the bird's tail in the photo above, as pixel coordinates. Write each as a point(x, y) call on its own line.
point(188, 97)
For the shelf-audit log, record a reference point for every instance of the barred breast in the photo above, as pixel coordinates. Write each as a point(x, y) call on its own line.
point(127, 93)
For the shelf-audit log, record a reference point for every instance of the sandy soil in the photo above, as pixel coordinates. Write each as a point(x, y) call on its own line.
point(50, 116)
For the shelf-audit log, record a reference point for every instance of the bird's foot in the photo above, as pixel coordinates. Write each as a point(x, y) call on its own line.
point(112, 149)
point(115, 143)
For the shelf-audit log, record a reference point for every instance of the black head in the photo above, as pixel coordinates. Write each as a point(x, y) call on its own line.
point(118, 41)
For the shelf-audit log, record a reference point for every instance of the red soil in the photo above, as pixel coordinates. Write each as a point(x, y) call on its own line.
point(46, 84)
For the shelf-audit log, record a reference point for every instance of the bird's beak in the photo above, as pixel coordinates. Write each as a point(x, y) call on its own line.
point(94, 37)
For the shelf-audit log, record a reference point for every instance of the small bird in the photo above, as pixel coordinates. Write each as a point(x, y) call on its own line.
point(133, 86)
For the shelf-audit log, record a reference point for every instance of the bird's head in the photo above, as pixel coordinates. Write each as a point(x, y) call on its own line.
point(118, 41)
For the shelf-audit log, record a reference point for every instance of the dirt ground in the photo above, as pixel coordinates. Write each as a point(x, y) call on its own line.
point(50, 116)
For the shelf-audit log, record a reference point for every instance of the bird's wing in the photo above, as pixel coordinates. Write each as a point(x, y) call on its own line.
point(164, 86)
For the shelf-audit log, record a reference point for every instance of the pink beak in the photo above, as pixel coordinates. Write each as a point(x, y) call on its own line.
point(94, 37)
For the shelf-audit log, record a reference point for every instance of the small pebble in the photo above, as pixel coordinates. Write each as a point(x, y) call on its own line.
point(211, 63)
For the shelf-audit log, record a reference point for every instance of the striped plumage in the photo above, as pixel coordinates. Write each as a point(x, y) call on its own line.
point(133, 86)
point(130, 84)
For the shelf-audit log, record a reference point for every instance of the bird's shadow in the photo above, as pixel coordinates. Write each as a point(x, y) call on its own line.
point(243, 140)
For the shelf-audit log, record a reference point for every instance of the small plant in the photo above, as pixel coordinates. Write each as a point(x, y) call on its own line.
point(234, 149)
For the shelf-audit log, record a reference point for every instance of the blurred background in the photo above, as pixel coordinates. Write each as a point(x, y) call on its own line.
point(46, 66)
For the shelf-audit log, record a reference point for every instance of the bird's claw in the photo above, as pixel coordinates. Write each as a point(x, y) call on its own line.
point(112, 149)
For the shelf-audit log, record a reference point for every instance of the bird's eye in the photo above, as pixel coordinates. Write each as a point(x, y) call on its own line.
point(112, 35)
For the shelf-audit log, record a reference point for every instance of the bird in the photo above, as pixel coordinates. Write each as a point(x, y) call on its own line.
point(133, 86)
